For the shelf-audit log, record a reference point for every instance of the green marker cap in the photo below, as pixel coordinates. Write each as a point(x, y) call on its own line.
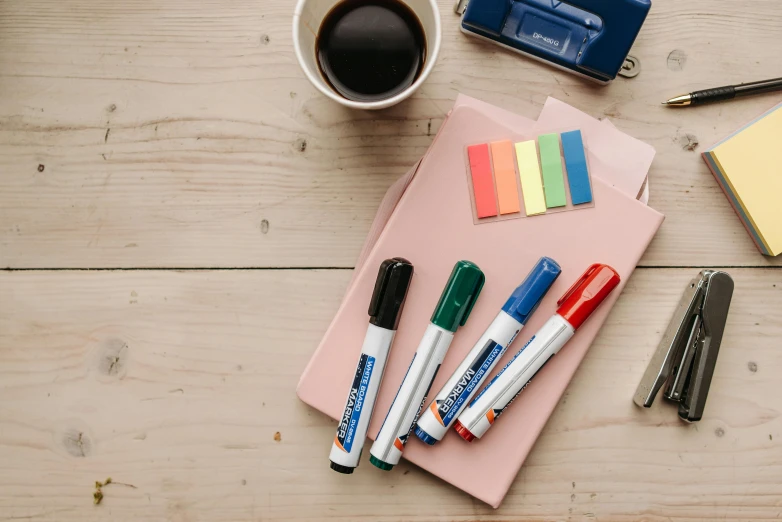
point(459, 296)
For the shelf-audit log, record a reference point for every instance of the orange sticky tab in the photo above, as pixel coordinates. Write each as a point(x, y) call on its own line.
point(482, 182)
point(505, 177)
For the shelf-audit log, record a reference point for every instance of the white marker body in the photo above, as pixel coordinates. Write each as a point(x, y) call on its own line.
point(352, 428)
point(410, 398)
point(465, 381)
point(511, 381)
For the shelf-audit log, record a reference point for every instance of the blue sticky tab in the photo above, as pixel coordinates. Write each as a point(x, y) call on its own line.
point(575, 163)
point(525, 299)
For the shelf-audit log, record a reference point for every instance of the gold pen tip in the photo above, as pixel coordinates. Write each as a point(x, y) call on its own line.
point(679, 101)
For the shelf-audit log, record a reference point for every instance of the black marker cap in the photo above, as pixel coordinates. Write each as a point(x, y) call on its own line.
point(388, 298)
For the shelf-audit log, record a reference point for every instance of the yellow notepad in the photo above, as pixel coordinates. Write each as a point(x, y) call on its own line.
point(748, 167)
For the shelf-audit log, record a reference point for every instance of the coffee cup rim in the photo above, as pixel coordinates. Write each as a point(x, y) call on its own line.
point(318, 82)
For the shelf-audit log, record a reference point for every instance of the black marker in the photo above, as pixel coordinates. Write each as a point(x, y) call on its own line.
point(386, 305)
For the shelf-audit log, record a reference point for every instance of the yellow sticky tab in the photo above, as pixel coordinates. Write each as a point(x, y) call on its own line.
point(750, 161)
point(529, 174)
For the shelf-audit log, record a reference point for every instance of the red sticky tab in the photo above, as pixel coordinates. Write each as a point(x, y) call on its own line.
point(482, 182)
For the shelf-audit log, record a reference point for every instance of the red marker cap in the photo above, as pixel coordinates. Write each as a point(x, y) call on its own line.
point(587, 293)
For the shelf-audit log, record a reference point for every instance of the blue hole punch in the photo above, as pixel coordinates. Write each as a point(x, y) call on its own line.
point(591, 38)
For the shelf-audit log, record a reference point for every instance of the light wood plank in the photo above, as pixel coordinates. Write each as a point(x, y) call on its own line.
point(172, 133)
point(176, 383)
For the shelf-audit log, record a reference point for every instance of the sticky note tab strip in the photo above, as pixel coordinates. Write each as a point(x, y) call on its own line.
point(575, 163)
point(515, 180)
point(482, 182)
point(551, 165)
point(529, 174)
point(505, 177)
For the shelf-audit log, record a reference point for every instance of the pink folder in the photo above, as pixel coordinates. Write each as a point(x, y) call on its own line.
point(431, 224)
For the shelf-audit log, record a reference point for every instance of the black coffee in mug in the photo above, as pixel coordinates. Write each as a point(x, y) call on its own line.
point(370, 50)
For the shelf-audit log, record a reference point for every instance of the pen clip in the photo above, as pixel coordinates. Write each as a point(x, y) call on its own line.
point(578, 283)
point(381, 283)
point(523, 302)
point(459, 296)
point(587, 294)
point(473, 300)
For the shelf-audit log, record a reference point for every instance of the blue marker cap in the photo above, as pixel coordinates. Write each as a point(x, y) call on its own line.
point(525, 299)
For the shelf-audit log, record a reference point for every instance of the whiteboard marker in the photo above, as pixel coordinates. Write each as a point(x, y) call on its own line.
point(575, 307)
point(388, 299)
point(459, 389)
point(456, 302)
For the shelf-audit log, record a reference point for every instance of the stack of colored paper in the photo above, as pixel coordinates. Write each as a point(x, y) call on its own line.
point(748, 167)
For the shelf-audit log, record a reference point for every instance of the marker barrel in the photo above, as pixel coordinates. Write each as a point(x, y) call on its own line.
point(455, 395)
point(352, 428)
point(514, 377)
point(390, 441)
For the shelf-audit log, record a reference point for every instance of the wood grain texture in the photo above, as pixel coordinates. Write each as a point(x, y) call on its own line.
point(168, 133)
point(179, 383)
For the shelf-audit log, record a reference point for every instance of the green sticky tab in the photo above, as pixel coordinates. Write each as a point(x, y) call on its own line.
point(551, 165)
point(459, 296)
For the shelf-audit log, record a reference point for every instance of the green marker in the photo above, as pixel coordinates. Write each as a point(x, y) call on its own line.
point(456, 303)
point(551, 165)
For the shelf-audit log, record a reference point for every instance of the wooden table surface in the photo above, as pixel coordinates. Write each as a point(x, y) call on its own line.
point(180, 212)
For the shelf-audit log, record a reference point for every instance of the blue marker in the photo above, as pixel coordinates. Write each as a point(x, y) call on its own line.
point(459, 389)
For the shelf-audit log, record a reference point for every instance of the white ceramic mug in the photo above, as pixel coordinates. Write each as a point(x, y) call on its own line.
point(307, 20)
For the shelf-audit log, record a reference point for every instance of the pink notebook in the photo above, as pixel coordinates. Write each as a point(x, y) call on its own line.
point(432, 226)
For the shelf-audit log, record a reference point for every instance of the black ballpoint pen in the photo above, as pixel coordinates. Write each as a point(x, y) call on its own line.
point(725, 93)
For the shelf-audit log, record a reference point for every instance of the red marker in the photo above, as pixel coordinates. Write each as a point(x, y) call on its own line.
point(575, 307)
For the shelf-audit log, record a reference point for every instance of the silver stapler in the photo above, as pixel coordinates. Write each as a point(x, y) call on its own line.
point(687, 354)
